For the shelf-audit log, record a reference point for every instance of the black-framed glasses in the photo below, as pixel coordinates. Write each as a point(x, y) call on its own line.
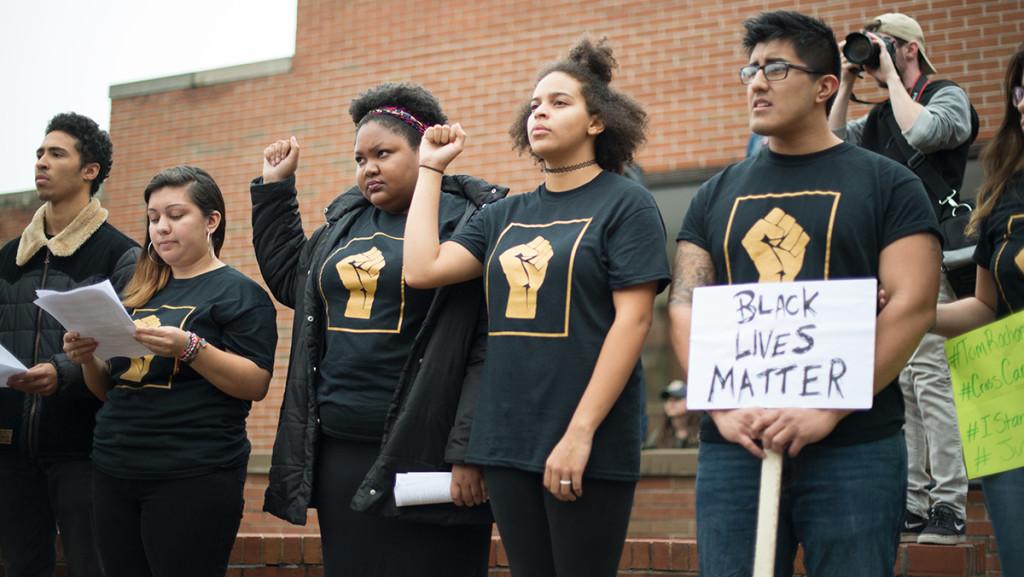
point(773, 71)
point(1018, 95)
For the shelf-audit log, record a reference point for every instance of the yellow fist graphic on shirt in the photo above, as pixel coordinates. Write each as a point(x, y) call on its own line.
point(777, 245)
point(525, 267)
point(360, 273)
point(140, 366)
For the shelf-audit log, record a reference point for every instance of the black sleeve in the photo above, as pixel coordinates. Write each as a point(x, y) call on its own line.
point(636, 250)
point(250, 329)
point(985, 247)
point(473, 235)
point(694, 229)
point(458, 437)
point(70, 382)
point(909, 211)
point(277, 237)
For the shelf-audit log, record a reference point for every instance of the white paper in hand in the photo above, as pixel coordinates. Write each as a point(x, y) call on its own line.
point(96, 312)
point(9, 366)
point(422, 488)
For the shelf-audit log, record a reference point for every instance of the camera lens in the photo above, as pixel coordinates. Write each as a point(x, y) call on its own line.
point(860, 50)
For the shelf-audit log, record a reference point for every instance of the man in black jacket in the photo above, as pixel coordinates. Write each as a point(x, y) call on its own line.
point(933, 117)
point(47, 414)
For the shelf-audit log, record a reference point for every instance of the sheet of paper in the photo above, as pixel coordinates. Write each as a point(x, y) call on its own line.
point(422, 488)
point(96, 312)
point(9, 366)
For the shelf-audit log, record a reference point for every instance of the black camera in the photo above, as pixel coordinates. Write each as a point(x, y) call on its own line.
point(860, 50)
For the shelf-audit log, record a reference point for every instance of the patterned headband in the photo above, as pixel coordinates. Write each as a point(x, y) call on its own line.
point(401, 114)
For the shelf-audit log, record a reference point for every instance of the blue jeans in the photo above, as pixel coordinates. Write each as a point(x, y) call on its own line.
point(1004, 498)
point(843, 504)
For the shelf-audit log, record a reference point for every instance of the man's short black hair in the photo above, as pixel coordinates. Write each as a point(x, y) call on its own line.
point(93, 144)
point(813, 40)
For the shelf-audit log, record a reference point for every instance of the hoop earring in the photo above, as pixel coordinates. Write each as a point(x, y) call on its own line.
point(149, 253)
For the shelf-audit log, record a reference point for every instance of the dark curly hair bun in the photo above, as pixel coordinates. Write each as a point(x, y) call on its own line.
point(625, 121)
point(597, 58)
point(412, 97)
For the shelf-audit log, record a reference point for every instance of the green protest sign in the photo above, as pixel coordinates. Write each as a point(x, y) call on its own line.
point(986, 367)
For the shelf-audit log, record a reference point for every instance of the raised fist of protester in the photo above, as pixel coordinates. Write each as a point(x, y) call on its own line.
point(39, 380)
point(280, 160)
point(441, 144)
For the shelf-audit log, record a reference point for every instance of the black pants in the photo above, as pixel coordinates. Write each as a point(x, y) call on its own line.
point(168, 528)
point(35, 499)
point(545, 537)
point(363, 545)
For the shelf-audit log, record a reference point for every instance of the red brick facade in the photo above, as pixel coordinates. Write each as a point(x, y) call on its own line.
point(677, 58)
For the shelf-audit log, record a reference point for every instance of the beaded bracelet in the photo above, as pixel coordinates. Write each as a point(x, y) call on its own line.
point(192, 348)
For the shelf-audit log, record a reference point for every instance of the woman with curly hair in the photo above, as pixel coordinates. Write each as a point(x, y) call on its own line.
point(571, 271)
point(382, 376)
point(999, 290)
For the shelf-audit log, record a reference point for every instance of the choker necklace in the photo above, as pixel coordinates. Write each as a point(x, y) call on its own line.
point(569, 168)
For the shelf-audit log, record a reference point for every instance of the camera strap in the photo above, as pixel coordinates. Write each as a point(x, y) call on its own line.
point(941, 193)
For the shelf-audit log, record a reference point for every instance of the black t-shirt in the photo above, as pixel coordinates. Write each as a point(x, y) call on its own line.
point(820, 216)
point(551, 262)
point(162, 419)
point(372, 321)
point(1001, 248)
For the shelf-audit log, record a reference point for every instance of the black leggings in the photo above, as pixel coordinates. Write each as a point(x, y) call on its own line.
point(168, 528)
point(362, 545)
point(545, 537)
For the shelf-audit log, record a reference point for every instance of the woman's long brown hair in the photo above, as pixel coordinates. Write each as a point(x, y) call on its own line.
point(151, 272)
point(1004, 155)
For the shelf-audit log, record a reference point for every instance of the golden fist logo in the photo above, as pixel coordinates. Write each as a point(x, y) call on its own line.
point(140, 366)
point(360, 273)
point(777, 245)
point(525, 267)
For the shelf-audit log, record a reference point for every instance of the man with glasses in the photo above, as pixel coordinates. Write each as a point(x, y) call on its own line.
point(933, 118)
point(809, 207)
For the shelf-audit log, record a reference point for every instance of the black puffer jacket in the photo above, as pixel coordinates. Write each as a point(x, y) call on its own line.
point(86, 252)
point(437, 389)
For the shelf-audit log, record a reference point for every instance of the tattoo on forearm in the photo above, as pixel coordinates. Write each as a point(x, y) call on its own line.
point(693, 268)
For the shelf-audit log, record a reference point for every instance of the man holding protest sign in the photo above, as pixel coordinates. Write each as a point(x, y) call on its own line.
point(809, 208)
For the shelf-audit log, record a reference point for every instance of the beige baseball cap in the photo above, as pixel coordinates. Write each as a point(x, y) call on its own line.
point(905, 28)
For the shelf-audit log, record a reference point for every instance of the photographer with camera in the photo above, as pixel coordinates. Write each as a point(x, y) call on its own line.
point(927, 125)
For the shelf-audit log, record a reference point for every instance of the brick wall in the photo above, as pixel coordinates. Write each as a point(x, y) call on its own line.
point(677, 58)
point(16, 210)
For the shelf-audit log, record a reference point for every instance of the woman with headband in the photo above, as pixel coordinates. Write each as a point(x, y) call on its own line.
point(373, 359)
point(571, 270)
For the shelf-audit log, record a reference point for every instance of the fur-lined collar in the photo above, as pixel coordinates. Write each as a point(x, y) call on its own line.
point(74, 235)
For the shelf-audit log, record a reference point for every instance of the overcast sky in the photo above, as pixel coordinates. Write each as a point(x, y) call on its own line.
point(63, 55)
